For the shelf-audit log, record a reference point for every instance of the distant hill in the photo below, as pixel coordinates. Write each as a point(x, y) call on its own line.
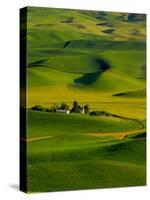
point(66, 48)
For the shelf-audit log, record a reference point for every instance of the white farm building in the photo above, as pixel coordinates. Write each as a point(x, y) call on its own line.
point(63, 111)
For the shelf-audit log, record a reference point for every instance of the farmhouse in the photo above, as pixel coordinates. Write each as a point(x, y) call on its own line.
point(81, 110)
point(67, 111)
point(63, 111)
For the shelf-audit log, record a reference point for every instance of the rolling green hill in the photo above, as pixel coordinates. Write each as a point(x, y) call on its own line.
point(72, 156)
point(96, 58)
point(73, 42)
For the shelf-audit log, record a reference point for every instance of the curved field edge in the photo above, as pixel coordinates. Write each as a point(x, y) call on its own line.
point(73, 127)
point(129, 150)
point(97, 163)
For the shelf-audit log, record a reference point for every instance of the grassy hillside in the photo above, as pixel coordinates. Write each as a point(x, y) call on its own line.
point(53, 124)
point(71, 176)
point(74, 58)
point(72, 156)
point(96, 58)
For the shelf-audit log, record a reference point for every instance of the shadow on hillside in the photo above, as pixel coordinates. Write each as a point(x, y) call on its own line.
point(37, 63)
point(90, 78)
point(67, 44)
point(108, 31)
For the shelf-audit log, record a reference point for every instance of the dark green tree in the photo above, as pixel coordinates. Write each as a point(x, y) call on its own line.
point(86, 108)
point(37, 107)
point(54, 108)
point(64, 106)
point(75, 107)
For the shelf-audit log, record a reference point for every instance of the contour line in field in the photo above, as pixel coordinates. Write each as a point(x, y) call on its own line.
point(119, 135)
point(36, 139)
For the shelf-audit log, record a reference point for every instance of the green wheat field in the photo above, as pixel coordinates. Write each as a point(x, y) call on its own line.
point(94, 60)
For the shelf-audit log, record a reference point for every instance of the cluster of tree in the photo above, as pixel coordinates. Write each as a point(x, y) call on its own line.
point(53, 108)
point(76, 108)
point(37, 107)
point(100, 113)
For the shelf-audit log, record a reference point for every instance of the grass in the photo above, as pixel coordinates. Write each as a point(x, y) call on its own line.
point(65, 52)
point(75, 151)
point(58, 125)
point(84, 175)
point(134, 93)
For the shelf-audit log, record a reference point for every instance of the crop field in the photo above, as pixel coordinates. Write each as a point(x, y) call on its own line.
point(97, 59)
